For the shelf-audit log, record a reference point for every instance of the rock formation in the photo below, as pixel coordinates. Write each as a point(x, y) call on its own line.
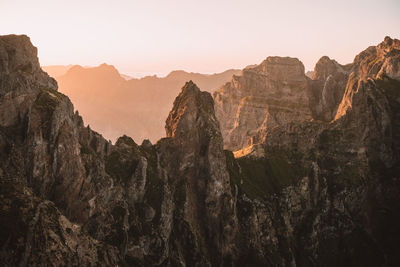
point(327, 88)
point(271, 94)
point(320, 193)
point(277, 92)
point(333, 187)
point(376, 62)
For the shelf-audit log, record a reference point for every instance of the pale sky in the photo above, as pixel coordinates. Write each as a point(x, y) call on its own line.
point(206, 36)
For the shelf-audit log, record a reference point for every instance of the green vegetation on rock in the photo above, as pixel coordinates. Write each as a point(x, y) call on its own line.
point(259, 178)
point(121, 166)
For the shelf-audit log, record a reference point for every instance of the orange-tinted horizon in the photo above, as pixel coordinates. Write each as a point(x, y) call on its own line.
point(156, 37)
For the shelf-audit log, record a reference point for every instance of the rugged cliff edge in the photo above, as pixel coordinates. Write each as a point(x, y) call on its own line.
point(328, 188)
point(321, 194)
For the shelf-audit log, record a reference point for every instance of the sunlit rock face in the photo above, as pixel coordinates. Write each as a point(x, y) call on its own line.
point(376, 62)
point(310, 192)
point(327, 88)
point(277, 93)
point(268, 95)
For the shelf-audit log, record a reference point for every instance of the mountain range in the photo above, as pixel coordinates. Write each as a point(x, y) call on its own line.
point(115, 105)
point(272, 169)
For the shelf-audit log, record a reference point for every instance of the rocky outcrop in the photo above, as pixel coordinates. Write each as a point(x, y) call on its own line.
point(41, 172)
point(34, 232)
point(318, 194)
point(266, 96)
point(374, 62)
point(204, 208)
point(327, 88)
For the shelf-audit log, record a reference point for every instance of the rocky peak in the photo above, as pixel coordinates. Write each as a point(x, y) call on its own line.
point(17, 53)
point(327, 88)
point(192, 111)
point(375, 62)
point(199, 167)
point(125, 141)
point(388, 45)
point(281, 69)
point(325, 67)
point(265, 96)
point(18, 57)
point(20, 75)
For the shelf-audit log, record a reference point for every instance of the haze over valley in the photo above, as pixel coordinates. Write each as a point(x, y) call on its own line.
point(138, 108)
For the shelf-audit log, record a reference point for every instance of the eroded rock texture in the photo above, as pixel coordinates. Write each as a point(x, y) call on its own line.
point(268, 95)
point(327, 88)
point(321, 192)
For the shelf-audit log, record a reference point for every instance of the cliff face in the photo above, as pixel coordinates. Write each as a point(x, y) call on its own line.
point(375, 62)
point(266, 96)
point(327, 88)
point(277, 93)
point(326, 193)
point(336, 187)
point(318, 194)
point(42, 174)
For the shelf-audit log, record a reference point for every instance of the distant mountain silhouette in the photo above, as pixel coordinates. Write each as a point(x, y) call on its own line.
point(126, 77)
point(56, 70)
point(114, 104)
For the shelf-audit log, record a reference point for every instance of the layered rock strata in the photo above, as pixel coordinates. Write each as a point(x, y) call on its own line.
point(266, 96)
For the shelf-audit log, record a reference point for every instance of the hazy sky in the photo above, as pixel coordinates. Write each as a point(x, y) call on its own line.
point(202, 36)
